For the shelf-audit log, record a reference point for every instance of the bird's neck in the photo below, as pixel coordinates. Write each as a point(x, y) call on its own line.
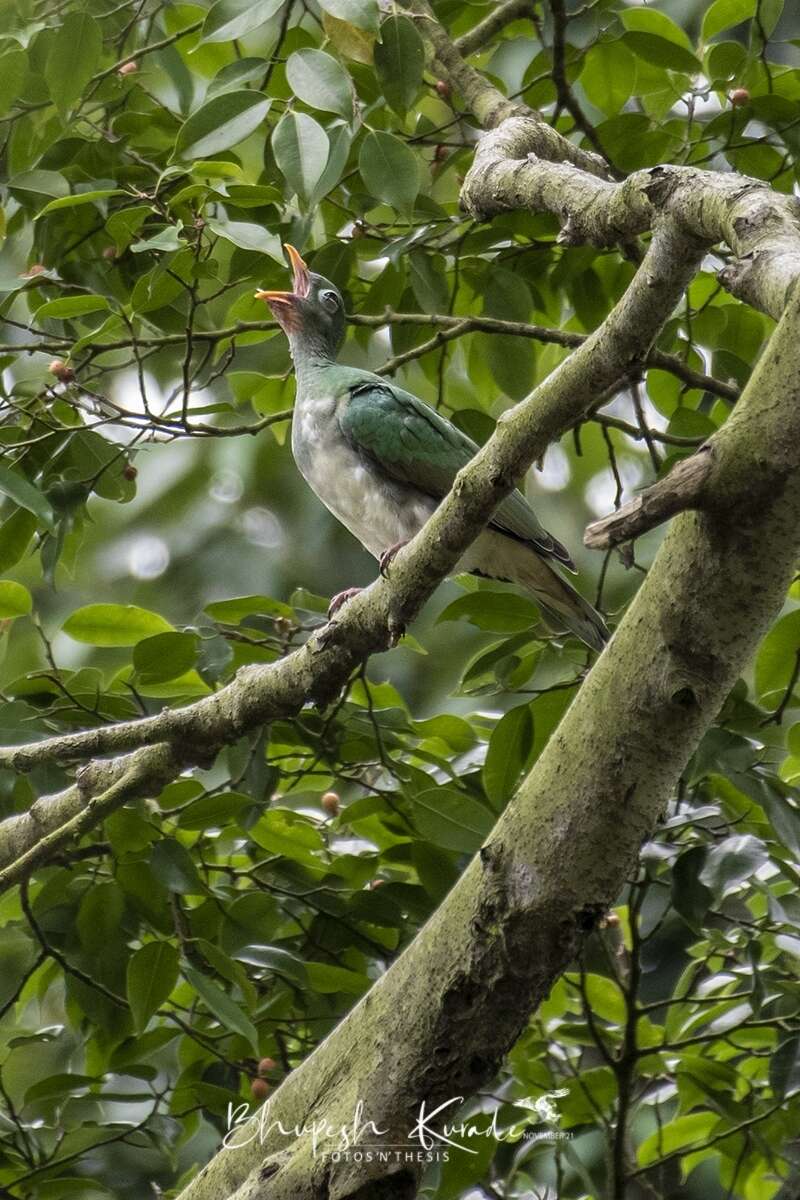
point(310, 352)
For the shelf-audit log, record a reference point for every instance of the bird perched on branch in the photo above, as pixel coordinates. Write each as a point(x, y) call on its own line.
point(381, 460)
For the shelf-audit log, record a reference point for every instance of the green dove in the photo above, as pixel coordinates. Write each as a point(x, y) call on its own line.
point(381, 460)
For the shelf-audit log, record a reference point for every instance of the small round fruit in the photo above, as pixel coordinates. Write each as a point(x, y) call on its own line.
point(739, 97)
point(128, 68)
point(61, 371)
point(443, 89)
point(259, 1089)
point(36, 269)
point(110, 252)
point(266, 1065)
point(330, 802)
point(376, 883)
point(440, 154)
point(129, 471)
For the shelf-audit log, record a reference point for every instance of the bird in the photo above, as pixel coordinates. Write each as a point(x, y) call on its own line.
point(381, 460)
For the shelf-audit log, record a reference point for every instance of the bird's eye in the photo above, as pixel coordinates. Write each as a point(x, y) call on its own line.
point(330, 300)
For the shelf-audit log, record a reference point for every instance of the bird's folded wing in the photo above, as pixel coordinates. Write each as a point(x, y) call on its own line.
point(413, 444)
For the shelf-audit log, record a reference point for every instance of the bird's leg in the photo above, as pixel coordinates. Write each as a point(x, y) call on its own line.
point(385, 560)
point(341, 598)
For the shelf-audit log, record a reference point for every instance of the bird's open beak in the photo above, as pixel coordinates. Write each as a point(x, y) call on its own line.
point(301, 283)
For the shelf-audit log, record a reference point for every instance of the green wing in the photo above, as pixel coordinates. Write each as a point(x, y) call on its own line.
point(413, 444)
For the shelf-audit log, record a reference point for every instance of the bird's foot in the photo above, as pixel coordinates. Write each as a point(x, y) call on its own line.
point(341, 598)
point(385, 560)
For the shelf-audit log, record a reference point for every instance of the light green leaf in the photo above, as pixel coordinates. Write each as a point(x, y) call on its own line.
point(71, 306)
point(399, 62)
point(361, 13)
point(73, 56)
point(390, 170)
point(41, 182)
point(452, 820)
point(223, 1008)
point(496, 612)
point(114, 624)
point(301, 149)
point(231, 19)
point(320, 81)
point(24, 493)
point(78, 198)
point(608, 76)
point(220, 123)
point(231, 612)
point(15, 537)
point(248, 236)
point(326, 978)
point(288, 833)
point(776, 658)
point(13, 69)
point(152, 974)
point(723, 14)
point(689, 1132)
point(165, 656)
point(15, 600)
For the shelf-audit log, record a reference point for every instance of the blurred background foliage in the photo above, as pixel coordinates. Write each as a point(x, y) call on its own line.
point(155, 536)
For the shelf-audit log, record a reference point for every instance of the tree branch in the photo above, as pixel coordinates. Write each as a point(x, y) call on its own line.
point(678, 491)
point(515, 917)
point(369, 623)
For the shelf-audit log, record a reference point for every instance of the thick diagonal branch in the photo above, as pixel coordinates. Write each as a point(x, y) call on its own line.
point(438, 1022)
point(322, 666)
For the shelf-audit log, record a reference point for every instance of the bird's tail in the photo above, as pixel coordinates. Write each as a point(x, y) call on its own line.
point(562, 607)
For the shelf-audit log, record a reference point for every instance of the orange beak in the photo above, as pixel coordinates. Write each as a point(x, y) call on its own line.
point(301, 282)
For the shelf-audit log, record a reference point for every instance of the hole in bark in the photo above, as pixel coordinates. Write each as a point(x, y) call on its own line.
point(588, 917)
point(268, 1171)
point(477, 1066)
point(684, 698)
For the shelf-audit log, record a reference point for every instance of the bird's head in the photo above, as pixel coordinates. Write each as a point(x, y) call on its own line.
point(312, 313)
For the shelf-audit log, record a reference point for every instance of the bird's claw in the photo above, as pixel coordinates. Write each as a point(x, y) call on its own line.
point(385, 560)
point(341, 598)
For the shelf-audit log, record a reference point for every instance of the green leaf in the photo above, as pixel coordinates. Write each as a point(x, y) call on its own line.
point(22, 492)
point(152, 974)
point(231, 612)
point(71, 306)
point(451, 819)
point(510, 748)
point(172, 865)
point(662, 52)
point(326, 979)
point(78, 198)
point(13, 70)
point(723, 14)
point(15, 600)
point(248, 236)
point(496, 612)
point(165, 656)
point(114, 624)
point(361, 13)
point(231, 19)
point(223, 1008)
point(301, 148)
point(688, 1132)
point(288, 833)
point(73, 55)
point(220, 123)
point(776, 658)
point(399, 62)
point(320, 81)
point(609, 76)
point(390, 170)
point(15, 537)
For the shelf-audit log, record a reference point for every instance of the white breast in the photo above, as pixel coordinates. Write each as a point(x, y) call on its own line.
point(376, 510)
